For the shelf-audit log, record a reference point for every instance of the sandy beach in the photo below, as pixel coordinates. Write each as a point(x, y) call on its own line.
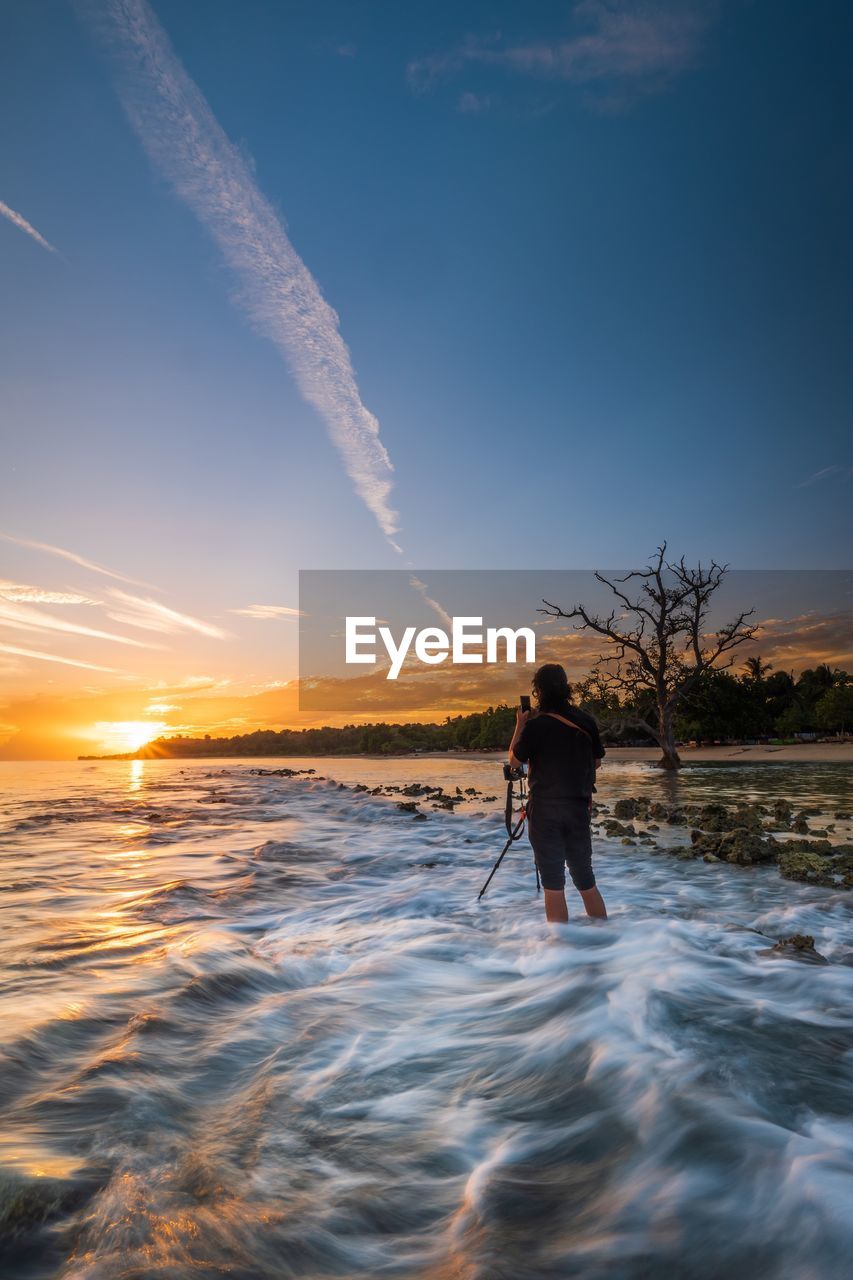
point(762, 753)
point(806, 752)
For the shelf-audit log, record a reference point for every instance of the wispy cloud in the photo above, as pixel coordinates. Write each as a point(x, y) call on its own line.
point(266, 612)
point(22, 593)
point(52, 657)
point(21, 617)
point(473, 104)
point(27, 227)
point(627, 46)
point(277, 291)
point(72, 556)
point(827, 473)
point(151, 615)
point(423, 590)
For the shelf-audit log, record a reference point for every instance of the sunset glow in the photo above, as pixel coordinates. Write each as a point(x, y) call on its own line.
point(126, 735)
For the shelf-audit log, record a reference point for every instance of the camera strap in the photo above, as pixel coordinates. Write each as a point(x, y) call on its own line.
point(570, 723)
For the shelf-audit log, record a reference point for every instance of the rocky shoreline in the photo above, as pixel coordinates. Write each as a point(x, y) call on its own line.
point(746, 834)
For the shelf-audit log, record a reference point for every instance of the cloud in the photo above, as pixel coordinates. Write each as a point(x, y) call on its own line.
point(22, 593)
point(827, 473)
point(52, 657)
point(150, 615)
point(193, 683)
point(803, 641)
point(472, 104)
point(423, 589)
point(266, 612)
point(21, 617)
point(630, 46)
point(72, 556)
point(18, 221)
point(185, 142)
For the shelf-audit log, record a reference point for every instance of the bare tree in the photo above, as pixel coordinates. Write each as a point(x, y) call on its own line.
point(658, 645)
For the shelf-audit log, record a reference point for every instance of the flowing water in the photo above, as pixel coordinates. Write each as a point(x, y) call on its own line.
point(260, 1027)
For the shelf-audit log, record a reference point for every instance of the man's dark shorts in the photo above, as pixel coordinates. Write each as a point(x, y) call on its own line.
point(560, 835)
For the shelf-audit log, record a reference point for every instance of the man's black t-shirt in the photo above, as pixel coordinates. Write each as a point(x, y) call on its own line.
point(561, 760)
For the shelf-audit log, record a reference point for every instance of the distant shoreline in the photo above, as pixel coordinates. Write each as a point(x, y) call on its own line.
point(805, 752)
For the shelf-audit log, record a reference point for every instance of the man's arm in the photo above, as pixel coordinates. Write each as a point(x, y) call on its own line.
point(521, 718)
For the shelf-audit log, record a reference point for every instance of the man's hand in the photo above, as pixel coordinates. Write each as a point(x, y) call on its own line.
point(521, 718)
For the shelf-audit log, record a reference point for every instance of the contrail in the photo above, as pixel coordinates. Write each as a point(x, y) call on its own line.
point(18, 221)
point(423, 590)
point(73, 557)
point(21, 617)
point(51, 657)
point(150, 615)
point(185, 142)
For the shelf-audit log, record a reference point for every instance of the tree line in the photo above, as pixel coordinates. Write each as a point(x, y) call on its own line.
point(721, 706)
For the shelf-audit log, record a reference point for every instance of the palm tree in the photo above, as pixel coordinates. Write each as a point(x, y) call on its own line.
point(756, 669)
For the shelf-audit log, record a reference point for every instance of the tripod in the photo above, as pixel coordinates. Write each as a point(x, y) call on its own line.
point(514, 832)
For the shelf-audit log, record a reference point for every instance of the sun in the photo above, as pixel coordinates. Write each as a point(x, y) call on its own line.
point(117, 736)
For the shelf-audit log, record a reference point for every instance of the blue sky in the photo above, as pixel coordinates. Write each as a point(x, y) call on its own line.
point(591, 262)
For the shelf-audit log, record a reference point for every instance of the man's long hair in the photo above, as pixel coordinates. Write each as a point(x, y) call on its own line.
point(551, 688)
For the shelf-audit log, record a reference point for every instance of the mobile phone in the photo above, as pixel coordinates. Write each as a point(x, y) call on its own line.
point(524, 702)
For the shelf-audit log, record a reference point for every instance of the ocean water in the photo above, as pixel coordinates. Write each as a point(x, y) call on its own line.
point(260, 1027)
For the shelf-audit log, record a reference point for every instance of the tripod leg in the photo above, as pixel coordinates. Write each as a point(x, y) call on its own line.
point(494, 868)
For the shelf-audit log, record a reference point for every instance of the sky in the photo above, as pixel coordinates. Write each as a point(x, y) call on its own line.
point(359, 285)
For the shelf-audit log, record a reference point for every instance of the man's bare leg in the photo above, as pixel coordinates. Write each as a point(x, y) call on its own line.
point(593, 902)
point(556, 908)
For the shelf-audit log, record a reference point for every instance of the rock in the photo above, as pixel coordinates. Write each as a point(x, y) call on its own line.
point(625, 808)
point(28, 1204)
point(783, 812)
point(704, 843)
point(710, 857)
point(614, 828)
point(800, 825)
point(798, 946)
point(831, 872)
point(676, 818)
point(445, 802)
point(747, 817)
point(742, 846)
point(407, 806)
point(745, 848)
point(714, 817)
point(420, 817)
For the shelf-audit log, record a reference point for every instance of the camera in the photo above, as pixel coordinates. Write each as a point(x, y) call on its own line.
point(512, 774)
point(524, 702)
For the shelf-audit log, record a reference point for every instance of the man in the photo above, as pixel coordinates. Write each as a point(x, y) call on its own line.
point(562, 747)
